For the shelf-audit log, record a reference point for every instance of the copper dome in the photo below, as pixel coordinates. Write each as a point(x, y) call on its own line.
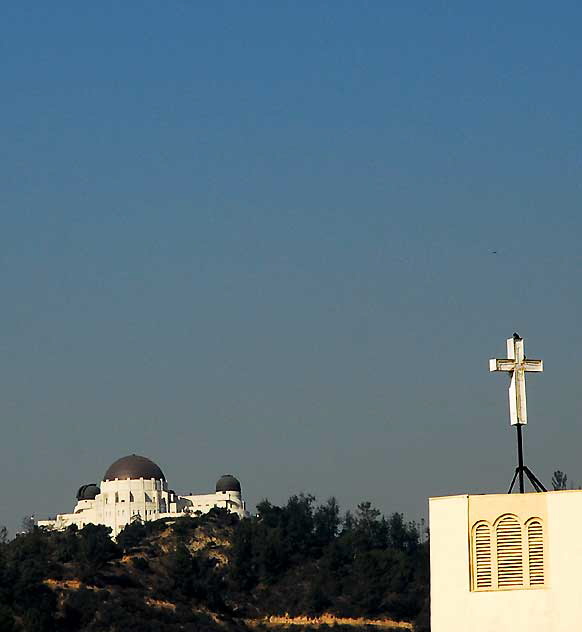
point(228, 483)
point(134, 467)
point(88, 492)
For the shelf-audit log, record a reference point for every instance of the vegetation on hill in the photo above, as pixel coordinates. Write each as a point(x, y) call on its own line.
point(214, 572)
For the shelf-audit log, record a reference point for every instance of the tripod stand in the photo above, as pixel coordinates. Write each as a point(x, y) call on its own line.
point(522, 469)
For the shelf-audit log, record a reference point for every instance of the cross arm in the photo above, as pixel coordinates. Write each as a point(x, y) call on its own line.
point(533, 365)
point(501, 365)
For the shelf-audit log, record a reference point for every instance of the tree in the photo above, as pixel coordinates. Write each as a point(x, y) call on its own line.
point(195, 577)
point(273, 554)
point(559, 481)
point(403, 536)
point(27, 524)
point(370, 529)
point(299, 558)
point(269, 514)
point(96, 548)
point(298, 524)
point(242, 568)
point(131, 535)
point(326, 522)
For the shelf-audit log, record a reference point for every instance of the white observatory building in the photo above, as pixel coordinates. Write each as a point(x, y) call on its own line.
point(134, 487)
point(507, 562)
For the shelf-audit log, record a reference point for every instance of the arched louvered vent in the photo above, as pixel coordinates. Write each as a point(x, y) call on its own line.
point(535, 546)
point(482, 556)
point(509, 553)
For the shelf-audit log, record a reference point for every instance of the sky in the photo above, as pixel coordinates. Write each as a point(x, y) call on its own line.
point(282, 240)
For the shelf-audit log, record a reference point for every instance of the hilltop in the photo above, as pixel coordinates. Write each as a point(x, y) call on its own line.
point(300, 565)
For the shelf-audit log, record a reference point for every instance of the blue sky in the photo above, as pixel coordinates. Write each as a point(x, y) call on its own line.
point(258, 237)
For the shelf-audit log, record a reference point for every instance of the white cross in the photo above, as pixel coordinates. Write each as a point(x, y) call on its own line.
point(516, 364)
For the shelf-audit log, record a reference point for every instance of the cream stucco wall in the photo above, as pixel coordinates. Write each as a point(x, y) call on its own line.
point(555, 607)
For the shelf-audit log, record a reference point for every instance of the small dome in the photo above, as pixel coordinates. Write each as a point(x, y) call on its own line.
point(228, 483)
point(134, 467)
point(88, 492)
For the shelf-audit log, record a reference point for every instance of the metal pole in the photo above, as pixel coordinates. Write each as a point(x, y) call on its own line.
point(520, 458)
point(513, 480)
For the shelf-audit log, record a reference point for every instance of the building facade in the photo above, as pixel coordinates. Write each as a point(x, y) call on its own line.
point(506, 562)
point(135, 488)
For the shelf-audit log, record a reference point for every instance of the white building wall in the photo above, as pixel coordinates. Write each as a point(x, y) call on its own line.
point(555, 607)
point(231, 501)
point(150, 499)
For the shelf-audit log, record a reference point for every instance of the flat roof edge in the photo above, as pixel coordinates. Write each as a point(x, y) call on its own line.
point(451, 496)
point(551, 491)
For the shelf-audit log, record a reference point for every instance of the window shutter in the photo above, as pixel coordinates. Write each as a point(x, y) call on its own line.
point(509, 553)
point(482, 556)
point(535, 545)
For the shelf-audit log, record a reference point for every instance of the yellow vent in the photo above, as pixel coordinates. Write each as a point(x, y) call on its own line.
point(535, 545)
point(483, 570)
point(509, 553)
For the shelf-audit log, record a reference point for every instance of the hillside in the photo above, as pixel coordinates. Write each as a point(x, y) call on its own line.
point(298, 566)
